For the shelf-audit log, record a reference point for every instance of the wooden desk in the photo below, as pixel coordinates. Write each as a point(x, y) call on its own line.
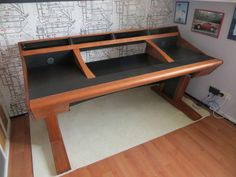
point(56, 76)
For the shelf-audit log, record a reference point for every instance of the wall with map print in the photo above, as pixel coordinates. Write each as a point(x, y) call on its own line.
point(27, 21)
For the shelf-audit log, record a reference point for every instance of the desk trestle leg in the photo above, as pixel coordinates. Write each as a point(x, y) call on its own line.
point(173, 91)
point(58, 149)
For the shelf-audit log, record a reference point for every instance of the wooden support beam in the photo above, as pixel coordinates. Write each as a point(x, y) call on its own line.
point(154, 53)
point(159, 51)
point(61, 160)
point(84, 68)
point(181, 88)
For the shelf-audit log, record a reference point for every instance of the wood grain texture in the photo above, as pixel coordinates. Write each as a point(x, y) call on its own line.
point(84, 68)
point(154, 53)
point(61, 160)
point(20, 159)
point(181, 88)
point(46, 112)
point(203, 149)
point(166, 57)
point(204, 72)
point(2, 138)
point(3, 117)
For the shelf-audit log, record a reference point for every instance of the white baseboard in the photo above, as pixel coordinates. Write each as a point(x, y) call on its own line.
point(230, 118)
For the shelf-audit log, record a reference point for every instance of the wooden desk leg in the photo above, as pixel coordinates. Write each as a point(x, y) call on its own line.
point(61, 160)
point(179, 89)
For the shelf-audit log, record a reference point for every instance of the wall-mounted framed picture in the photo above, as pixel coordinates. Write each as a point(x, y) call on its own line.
point(232, 30)
point(207, 22)
point(181, 12)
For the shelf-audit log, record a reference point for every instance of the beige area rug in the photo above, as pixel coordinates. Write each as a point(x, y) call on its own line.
point(203, 112)
point(102, 127)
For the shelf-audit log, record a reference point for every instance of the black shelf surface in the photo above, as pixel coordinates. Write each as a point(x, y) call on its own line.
point(96, 38)
point(64, 75)
point(170, 47)
point(45, 79)
point(122, 64)
point(178, 53)
point(45, 44)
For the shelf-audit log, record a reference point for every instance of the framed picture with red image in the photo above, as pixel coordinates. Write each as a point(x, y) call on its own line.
point(207, 22)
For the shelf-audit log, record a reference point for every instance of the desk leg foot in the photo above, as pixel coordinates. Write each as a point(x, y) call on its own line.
point(61, 160)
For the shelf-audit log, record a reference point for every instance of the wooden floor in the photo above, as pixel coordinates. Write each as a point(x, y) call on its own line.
point(204, 149)
point(20, 160)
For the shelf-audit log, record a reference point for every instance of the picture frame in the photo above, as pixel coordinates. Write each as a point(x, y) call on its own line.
point(207, 22)
point(181, 12)
point(232, 30)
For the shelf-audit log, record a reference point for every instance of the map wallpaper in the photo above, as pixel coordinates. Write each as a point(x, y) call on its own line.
point(27, 21)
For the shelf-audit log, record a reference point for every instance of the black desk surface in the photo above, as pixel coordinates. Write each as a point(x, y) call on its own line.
point(64, 75)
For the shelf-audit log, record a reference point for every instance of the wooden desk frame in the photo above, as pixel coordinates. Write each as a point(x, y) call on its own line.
point(49, 107)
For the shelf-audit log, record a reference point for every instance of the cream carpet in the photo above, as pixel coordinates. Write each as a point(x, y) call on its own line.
point(102, 127)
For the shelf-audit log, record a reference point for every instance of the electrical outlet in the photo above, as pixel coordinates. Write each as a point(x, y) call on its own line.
point(215, 91)
point(227, 95)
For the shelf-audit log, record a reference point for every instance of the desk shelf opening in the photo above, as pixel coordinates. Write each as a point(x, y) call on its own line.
point(53, 73)
point(115, 59)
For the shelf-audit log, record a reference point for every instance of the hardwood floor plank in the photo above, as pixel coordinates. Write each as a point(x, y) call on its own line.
point(178, 158)
point(139, 160)
point(156, 156)
point(84, 172)
point(20, 160)
point(127, 169)
point(114, 167)
point(223, 129)
point(198, 155)
point(224, 154)
point(97, 170)
point(217, 135)
point(108, 174)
